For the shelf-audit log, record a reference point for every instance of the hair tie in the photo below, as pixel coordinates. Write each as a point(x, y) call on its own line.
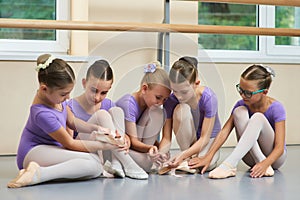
point(269, 70)
point(150, 68)
point(45, 64)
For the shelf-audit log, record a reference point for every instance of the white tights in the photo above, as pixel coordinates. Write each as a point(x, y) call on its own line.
point(114, 120)
point(185, 132)
point(255, 139)
point(148, 129)
point(58, 163)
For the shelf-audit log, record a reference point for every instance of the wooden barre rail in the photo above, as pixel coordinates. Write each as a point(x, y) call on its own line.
point(259, 2)
point(144, 27)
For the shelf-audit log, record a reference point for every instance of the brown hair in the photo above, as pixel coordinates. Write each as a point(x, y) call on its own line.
point(185, 69)
point(101, 70)
point(57, 74)
point(262, 74)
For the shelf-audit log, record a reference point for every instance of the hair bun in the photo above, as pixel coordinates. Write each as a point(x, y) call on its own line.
point(45, 64)
point(151, 67)
point(269, 70)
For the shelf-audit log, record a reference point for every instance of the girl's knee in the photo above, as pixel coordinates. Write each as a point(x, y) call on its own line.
point(156, 113)
point(101, 113)
point(239, 112)
point(258, 116)
point(181, 110)
point(116, 111)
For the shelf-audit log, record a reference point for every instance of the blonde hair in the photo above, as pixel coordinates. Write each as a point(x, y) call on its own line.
point(158, 77)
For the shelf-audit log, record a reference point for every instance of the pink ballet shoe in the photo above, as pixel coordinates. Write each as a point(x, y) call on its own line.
point(109, 138)
point(25, 177)
point(219, 173)
point(184, 166)
point(115, 172)
point(164, 170)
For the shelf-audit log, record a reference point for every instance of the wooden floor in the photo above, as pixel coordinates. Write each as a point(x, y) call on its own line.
point(284, 185)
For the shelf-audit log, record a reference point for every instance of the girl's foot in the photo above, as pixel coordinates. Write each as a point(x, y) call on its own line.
point(29, 176)
point(225, 170)
point(116, 172)
point(136, 173)
point(269, 172)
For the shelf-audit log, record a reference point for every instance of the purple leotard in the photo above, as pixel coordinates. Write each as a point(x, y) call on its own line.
point(208, 107)
point(80, 113)
point(275, 112)
point(130, 107)
point(42, 121)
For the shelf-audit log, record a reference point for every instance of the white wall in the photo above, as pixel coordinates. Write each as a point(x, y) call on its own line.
point(129, 51)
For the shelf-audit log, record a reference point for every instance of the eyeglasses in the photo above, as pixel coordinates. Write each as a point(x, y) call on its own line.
point(247, 94)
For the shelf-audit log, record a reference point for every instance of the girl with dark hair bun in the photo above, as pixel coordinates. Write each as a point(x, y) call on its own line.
point(192, 113)
point(94, 107)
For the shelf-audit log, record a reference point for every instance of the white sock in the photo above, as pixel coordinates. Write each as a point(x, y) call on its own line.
point(115, 163)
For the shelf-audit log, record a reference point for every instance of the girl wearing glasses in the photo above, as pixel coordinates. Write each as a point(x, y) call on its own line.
point(259, 122)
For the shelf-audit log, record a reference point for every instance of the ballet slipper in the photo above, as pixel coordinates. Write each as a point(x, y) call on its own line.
point(109, 138)
point(21, 172)
point(25, 177)
point(269, 171)
point(219, 173)
point(106, 174)
point(116, 172)
point(184, 166)
point(136, 174)
point(164, 170)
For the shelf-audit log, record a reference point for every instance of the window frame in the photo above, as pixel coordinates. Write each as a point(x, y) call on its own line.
point(9, 48)
point(267, 51)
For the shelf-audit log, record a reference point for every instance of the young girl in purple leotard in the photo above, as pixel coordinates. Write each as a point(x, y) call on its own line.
point(47, 151)
point(192, 114)
point(93, 106)
point(144, 116)
point(259, 122)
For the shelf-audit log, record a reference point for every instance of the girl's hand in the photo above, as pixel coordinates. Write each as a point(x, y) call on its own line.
point(177, 160)
point(165, 157)
point(259, 170)
point(160, 158)
point(126, 145)
point(174, 162)
point(199, 162)
point(127, 141)
point(153, 153)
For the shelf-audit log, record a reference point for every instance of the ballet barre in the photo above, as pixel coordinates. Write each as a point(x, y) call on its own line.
point(145, 27)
